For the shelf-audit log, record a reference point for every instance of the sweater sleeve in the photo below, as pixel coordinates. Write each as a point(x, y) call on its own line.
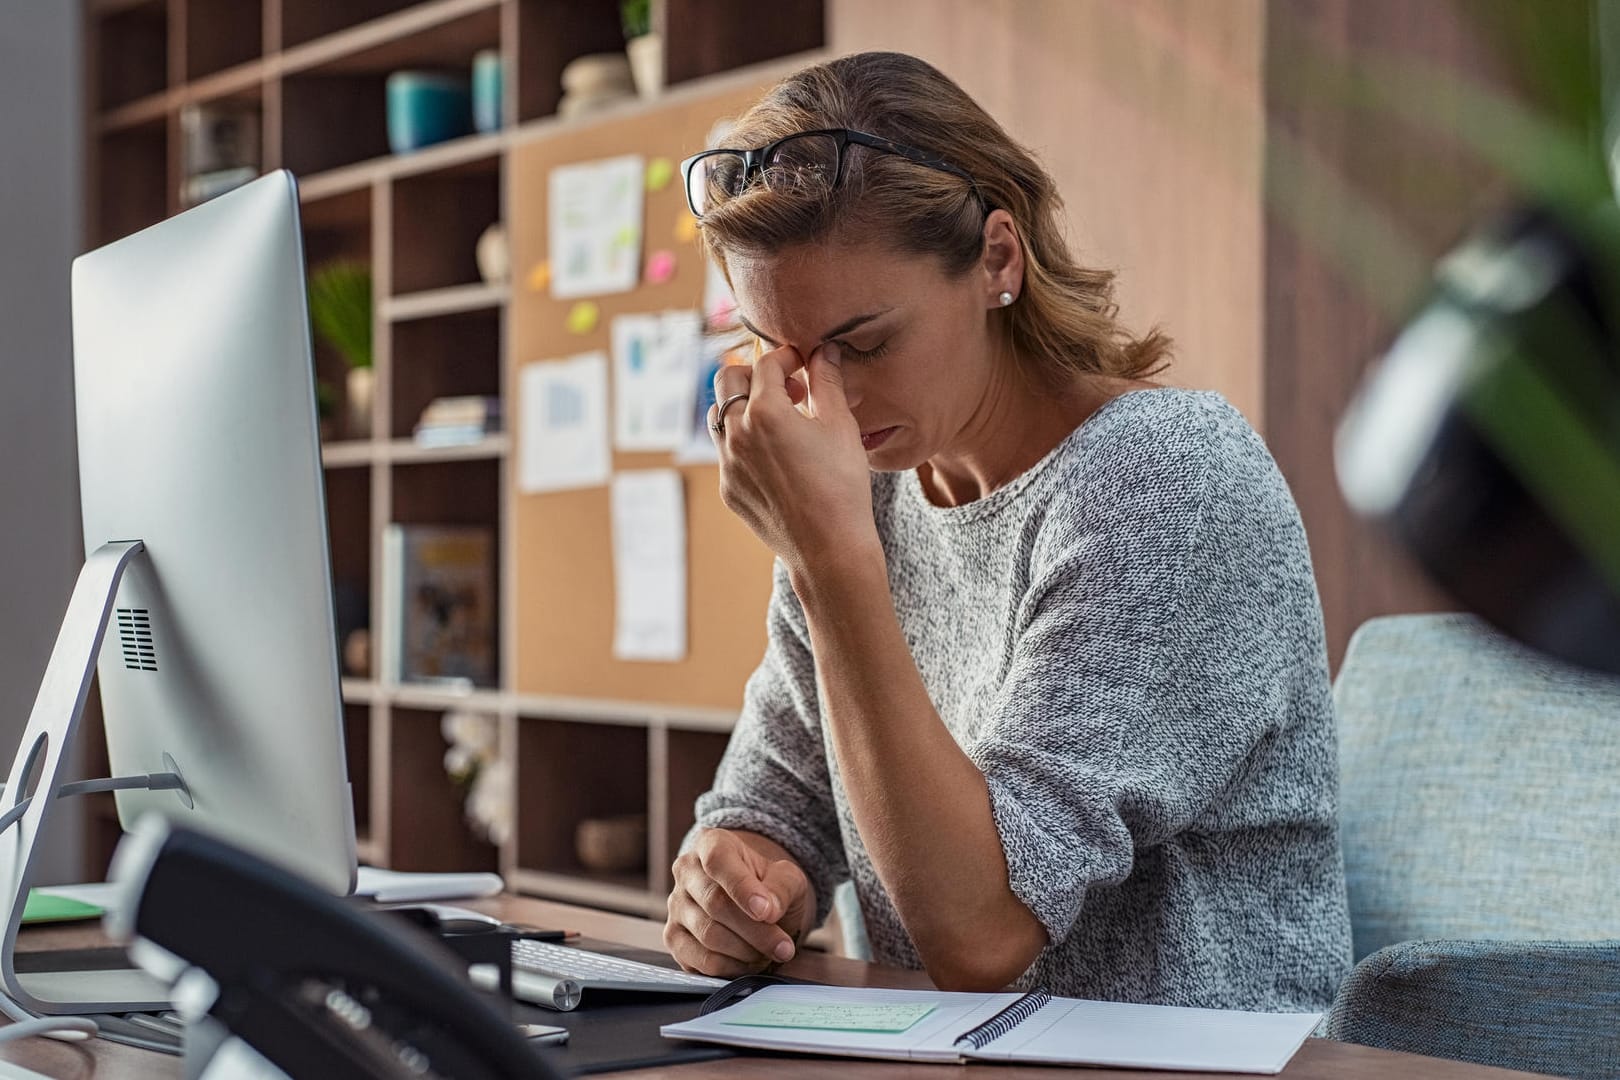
point(773, 779)
point(1150, 669)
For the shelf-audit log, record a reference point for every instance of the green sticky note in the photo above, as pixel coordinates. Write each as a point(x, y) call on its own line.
point(885, 1019)
point(44, 907)
point(660, 171)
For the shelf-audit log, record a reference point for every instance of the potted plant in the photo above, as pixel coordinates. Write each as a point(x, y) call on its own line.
point(340, 310)
point(645, 48)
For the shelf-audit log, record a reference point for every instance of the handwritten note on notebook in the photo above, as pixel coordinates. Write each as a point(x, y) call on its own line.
point(840, 1016)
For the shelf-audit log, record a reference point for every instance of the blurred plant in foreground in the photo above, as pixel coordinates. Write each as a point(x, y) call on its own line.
point(1488, 438)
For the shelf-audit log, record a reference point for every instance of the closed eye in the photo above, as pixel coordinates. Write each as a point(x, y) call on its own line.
point(863, 356)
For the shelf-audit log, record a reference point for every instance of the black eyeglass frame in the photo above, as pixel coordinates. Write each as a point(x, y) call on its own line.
point(754, 160)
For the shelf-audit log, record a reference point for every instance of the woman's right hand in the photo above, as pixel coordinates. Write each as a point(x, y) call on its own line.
point(737, 906)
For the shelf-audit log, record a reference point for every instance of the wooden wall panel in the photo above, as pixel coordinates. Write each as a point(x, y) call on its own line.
point(1321, 329)
point(1148, 114)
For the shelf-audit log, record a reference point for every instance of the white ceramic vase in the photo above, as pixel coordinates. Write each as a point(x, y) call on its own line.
point(647, 64)
point(360, 389)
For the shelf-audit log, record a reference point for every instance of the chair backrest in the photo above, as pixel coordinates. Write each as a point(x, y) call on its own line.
point(1479, 790)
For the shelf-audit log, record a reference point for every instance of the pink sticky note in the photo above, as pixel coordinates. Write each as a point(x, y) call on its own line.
point(660, 266)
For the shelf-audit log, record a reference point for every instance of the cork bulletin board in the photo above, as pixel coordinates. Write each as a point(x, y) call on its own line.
point(562, 544)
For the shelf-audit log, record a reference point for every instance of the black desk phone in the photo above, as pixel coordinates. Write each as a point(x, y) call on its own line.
point(319, 988)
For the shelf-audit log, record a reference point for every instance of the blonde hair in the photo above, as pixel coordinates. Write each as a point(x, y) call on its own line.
point(1064, 322)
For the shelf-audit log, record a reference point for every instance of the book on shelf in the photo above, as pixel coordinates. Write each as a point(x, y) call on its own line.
point(219, 148)
point(438, 605)
point(458, 421)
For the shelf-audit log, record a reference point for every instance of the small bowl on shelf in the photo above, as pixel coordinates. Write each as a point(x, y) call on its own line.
point(612, 845)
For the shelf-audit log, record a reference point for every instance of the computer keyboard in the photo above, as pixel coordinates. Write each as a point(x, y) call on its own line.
point(601, 972)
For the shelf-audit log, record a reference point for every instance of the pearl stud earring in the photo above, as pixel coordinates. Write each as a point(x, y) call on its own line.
point(1005, 298)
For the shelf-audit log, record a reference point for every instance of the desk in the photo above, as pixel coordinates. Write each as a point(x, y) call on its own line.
point(1318, 1059)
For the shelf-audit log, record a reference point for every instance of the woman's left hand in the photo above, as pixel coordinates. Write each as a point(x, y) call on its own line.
point(791, 462)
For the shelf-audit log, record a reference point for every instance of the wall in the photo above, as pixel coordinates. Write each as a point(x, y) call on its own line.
point(1148, 114)
point(40, 221)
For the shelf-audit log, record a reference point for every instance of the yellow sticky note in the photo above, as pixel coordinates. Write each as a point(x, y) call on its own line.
point(539, 277)
point(582, 317)
point(685, 228)
point(660, 171)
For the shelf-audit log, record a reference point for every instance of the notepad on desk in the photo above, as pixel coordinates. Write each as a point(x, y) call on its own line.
point(1034, 1028)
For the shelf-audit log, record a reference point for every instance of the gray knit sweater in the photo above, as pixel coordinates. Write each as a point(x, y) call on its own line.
point(1127, 641)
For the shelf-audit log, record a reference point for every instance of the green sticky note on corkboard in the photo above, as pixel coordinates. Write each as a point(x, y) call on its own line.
point(660, 171)
point(44, 908)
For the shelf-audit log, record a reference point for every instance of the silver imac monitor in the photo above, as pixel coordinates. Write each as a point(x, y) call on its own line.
point(195, 393)
point(198, 437)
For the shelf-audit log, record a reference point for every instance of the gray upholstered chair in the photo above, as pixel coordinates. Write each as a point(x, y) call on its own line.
point(1480, 801)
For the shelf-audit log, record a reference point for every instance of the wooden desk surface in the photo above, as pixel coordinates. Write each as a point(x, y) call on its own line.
point(1318, 1059)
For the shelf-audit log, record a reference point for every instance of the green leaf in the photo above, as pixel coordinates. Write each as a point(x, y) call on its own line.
point(636, 17)
point(340, 309)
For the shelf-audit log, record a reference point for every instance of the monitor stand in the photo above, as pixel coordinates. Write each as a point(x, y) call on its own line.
point(38, 769)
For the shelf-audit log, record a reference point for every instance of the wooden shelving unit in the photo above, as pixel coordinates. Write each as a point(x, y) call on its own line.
point(316, 72)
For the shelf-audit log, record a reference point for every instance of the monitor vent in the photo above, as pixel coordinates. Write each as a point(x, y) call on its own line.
point(135, 631)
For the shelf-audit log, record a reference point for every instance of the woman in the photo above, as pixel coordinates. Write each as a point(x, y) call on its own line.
point(1045, 673)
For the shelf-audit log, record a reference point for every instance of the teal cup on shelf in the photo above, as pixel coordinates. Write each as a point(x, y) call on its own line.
point(426, 107)
point(486, 90)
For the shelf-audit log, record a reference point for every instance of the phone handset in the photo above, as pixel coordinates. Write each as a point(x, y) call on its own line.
point(316, 987)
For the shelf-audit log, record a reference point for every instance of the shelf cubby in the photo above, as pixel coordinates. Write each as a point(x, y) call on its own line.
point(706, 37)
point(337, 228)
point(427, 828)
point(447, 493)
point(692, 757)
point(437, 357)
point(550, 35)
point(571, 772)
point(132, 188)
point(357, 750)
point(331, 121)
point(348, 524)
point(131, 53)
point(456, 491)
point(446, 211)
point(221, 34)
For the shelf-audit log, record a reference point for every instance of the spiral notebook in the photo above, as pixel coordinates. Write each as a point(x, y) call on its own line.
point(1036, 1028)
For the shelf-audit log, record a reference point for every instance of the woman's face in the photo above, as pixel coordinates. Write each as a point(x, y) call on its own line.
point(918, 358)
